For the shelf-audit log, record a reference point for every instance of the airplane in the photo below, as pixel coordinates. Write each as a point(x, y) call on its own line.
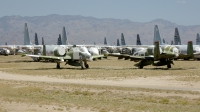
point(98, 53)
point(74, 57)
point(148, 56)
point(188, 54)
point(4, 51)
point(183, 49)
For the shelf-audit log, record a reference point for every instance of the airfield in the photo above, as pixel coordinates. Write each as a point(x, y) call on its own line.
point(109, 85)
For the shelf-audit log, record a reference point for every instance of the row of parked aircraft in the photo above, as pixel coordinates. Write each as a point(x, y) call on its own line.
point(144, 55)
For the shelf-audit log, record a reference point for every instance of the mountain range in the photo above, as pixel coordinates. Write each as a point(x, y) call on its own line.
point(87, 30)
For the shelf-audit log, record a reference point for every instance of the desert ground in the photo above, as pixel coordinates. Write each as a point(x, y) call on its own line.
point(109, 85)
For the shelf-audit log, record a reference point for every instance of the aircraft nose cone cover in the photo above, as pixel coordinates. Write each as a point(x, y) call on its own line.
point(176, 51)
point(94, 51)
point(88, 55)
point(7, 51)
point(59, 51)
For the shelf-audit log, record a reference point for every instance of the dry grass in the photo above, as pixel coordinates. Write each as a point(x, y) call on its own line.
point(100, 98)
point(97, 97)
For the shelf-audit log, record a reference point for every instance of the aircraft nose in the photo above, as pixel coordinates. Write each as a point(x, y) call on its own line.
point(88, 55)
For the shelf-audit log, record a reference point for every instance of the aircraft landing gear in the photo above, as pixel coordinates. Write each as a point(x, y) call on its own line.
point(86, 65)
point(169, 66)
point(58, 65)
point(81, 63)
point(140, 67)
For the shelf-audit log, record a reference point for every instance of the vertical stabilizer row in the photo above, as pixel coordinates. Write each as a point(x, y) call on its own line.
point(198, 40)
point(26, 35)
point(157, 35)
point(177, 39)
point(64, 37)
point(36, 39)
point(122, 39)
point(138, 42)
point(118, 44)
point(59, 42)
point(105, 41)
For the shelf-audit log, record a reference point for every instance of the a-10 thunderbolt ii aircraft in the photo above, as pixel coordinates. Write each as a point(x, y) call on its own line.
point(147, 56)
point(76, 56)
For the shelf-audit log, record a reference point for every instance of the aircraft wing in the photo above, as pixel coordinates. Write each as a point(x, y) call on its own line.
point(95, 57)
point(67, 57)
point(139, 58)
point(42, 57)
point(54, 57)
point(120, 56)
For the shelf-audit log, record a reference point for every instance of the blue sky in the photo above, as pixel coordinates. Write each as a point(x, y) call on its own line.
point(182, 12)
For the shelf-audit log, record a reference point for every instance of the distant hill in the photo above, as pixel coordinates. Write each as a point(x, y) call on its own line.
point(87, 30)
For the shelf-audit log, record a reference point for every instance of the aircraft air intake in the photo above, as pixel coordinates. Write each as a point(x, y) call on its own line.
point(59, 51)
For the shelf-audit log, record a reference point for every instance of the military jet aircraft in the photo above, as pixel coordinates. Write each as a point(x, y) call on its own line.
point(149, 55)
point(74, 57)
point(98, 53)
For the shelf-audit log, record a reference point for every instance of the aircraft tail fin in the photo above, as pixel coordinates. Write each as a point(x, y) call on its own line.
point(123, 39)
point(64, 37)
point(26, 35)
point(118, 44)
point(163, 41)
point(198, 40)
point(36, 39)
point(156, 51)
point(157, 35)
point(42, 41)
point(138, 40)
point(44, 50)
point(59, 42)
point(190, 50)
point(105, 41)
point(172, 42)
point(177, 39)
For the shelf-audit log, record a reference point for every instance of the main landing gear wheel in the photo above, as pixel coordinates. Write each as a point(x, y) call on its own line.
point(169, 66)
point(86, 66)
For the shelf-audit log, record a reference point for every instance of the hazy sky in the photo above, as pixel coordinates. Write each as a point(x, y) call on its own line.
point(182, 12)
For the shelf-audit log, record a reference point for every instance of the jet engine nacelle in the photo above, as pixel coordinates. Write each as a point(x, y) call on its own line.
point(196, 49)
point(94, 51)
point(59, 51)
point(6, 51)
